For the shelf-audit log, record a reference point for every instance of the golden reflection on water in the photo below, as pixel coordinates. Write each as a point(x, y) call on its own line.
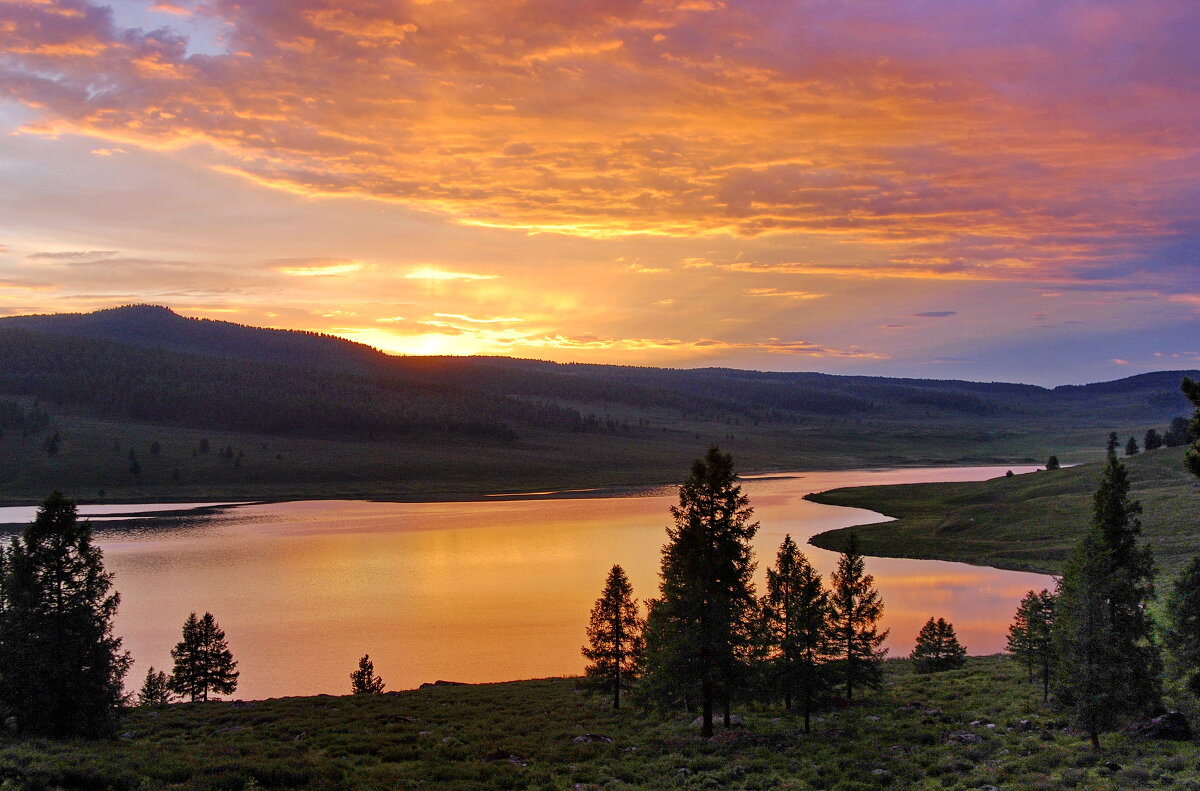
point(481, 591)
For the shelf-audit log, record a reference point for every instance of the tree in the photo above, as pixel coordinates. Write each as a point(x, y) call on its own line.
point(1153, 440)
point(203, 662)
point(614, 631)
point(1111, 446)
point(1192, 390)
point(61, 668)
point(1108, 663)
point(1181, 634)
point(700, 628)
point(1052, 463)
point(1131, 447)
point(156, 689)
point(937, 648)
point(364, 681)
point(797, 613)
point(1179, 432)
point(857, 609)
point(1029, 636)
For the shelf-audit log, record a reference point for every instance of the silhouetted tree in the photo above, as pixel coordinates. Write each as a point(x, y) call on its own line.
point(156, 689)
point(1108, 664)
point(614, 631)
point(1052, 463)
point(61, 668)
point(937, 648)
point(1192, 390)
point(1153, 440)
point(364, 681)
point(1181, 634)
point(700, 630)
point(1111, 445)
point(1179, 432)
point(203, 662)
point(1030, 636)
point(1131, 447)
point(799, 638)
point(857, 609)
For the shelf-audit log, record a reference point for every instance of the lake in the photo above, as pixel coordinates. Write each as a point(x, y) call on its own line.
point(480, 591)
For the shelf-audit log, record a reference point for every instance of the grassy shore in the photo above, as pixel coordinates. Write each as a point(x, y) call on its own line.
point(1027, 522)
point(955, 730)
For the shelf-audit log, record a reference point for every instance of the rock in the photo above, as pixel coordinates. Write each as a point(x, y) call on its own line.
point(684, 772)
point(1111, 767)
point(300, 736)
point(976, 723)
point(1024, 725)
point(734, 721)
point(965, 737)
point(242, 704)
point(1171, 725)
point(441, 683)
point(128, 736)
point(154, 715)
point(871, 718)
point(592, 738)
point(988, 788)
point(516, 760)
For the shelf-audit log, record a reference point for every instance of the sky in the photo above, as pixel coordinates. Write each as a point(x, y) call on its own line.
point(981, 189)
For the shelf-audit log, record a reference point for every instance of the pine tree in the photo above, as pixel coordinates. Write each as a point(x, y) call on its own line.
point(614, 631)
point(1131, 447)
point(203, 662)
point(1181, 635)
point(61, 668)
point(1052, 463)
point(364, 681)
point(701, 627)
point(1108, 664)
point(1029, 636)
point(156, 689)
point(797, 612)
point(1153, 440)
point(937, 648)
point(1110, 447)
point(1192, 390)
point(857, 609)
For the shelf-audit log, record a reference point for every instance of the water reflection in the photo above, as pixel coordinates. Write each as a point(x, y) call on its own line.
point(478, 591)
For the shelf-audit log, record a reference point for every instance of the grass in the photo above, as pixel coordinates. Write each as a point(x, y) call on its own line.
point(1027, 522)
point(92, 462)
point(954, 730)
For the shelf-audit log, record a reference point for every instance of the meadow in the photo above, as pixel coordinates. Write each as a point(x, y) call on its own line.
point(977, 728)
point(1025, 522)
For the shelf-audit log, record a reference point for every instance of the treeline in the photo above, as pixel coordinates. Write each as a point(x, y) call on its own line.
point(117, 381)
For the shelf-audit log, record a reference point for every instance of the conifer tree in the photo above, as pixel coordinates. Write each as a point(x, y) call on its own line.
point(1110, 447)
point(799, 638)
point(203, 661)
point(701, 626)
point(1192, 390)
point(937, 648)
point(1181, 635)
point(614, 632)
point(857, 608)
point(364, 681)
point(1108, 664)
point(1153, 440)
point(61, 667)
point(1131, 447)
point(156, 689)
point(1030, 636)
point(1052, 463)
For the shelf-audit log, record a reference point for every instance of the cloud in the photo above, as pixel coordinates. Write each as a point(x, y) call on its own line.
point(935, 314)
point(74, 255)
point(965, 146)
point(428, 273)
point(316, 267)
point(774, 292)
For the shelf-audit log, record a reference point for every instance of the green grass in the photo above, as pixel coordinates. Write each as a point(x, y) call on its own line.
point(954, 730)
point(93, 456)
point(1027, 522)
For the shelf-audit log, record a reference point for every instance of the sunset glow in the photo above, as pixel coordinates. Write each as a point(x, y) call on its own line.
point(853, 187)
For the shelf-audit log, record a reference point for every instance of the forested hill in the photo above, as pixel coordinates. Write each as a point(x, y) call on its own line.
point(106, 373)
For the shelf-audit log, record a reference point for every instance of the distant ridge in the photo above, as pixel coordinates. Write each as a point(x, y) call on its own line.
point(159, 327)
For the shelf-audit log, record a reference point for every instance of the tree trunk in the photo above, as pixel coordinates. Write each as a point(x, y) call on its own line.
point(726, 718)
point(1095, 739)
point(706, 710)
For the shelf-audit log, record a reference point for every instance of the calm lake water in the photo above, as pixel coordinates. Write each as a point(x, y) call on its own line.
point(473, 591)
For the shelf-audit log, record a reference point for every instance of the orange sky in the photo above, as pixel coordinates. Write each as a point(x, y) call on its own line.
point(911, 188)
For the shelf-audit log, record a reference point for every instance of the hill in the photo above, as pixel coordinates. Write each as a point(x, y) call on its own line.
point(85, 396)
point(1027, 522)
